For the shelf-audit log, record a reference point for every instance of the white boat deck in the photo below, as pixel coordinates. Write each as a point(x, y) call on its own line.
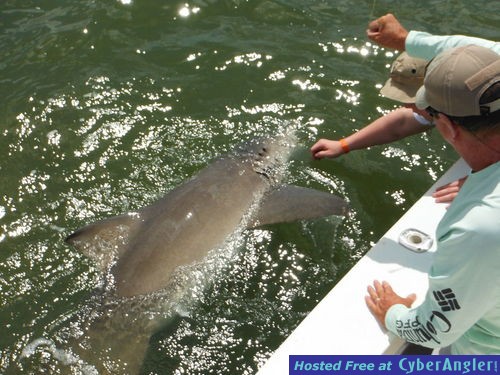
point(341, 323)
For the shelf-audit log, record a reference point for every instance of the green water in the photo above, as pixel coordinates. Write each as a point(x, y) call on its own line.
point(106, 105)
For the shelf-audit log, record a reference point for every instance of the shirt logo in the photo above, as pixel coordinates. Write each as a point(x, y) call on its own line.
point(446, 299)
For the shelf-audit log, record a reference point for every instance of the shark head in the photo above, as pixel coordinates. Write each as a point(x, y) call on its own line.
point(269, 155)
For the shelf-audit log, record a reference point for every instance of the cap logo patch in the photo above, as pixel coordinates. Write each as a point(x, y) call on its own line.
point(483, 76)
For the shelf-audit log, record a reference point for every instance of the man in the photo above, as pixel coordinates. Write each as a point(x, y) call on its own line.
point(406, 77)
point(462, 306)
point(401, 123)
point(388, 32)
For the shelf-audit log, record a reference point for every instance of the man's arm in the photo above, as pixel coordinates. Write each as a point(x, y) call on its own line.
point(388, 32)
point(426, 46)
point(457, 297)
point(396, 125)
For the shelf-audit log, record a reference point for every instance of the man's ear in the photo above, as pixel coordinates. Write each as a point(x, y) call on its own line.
point(451, 128)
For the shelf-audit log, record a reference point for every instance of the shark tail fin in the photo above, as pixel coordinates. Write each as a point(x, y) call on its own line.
point(104, 240)
point(291, 203)
point(123, 352)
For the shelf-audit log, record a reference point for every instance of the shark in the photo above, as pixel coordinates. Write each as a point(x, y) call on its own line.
point(140, 251)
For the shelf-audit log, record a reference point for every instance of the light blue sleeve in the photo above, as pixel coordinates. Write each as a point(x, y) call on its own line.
point(463, 288)
point(421, 119)
point(426, 46)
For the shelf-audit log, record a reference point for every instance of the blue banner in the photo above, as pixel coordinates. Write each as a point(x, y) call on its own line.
point(393, 364)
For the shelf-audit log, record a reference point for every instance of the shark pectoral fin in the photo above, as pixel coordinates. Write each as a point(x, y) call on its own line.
point(291, 203)
point(104, 240)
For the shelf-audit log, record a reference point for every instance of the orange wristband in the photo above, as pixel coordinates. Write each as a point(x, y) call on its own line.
point(344, 145)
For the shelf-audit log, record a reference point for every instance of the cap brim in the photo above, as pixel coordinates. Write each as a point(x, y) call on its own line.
point(420, 100)
point(399, 92)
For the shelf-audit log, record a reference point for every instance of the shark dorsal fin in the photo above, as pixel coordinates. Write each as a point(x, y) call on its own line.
point(290, 203)
point(107, 239)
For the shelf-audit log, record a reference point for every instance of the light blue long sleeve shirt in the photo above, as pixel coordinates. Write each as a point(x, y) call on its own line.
point(426, 46)
point(462, 305)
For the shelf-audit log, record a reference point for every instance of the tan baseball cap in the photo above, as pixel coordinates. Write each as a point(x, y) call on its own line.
point(456, 79)
point(406, 77)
